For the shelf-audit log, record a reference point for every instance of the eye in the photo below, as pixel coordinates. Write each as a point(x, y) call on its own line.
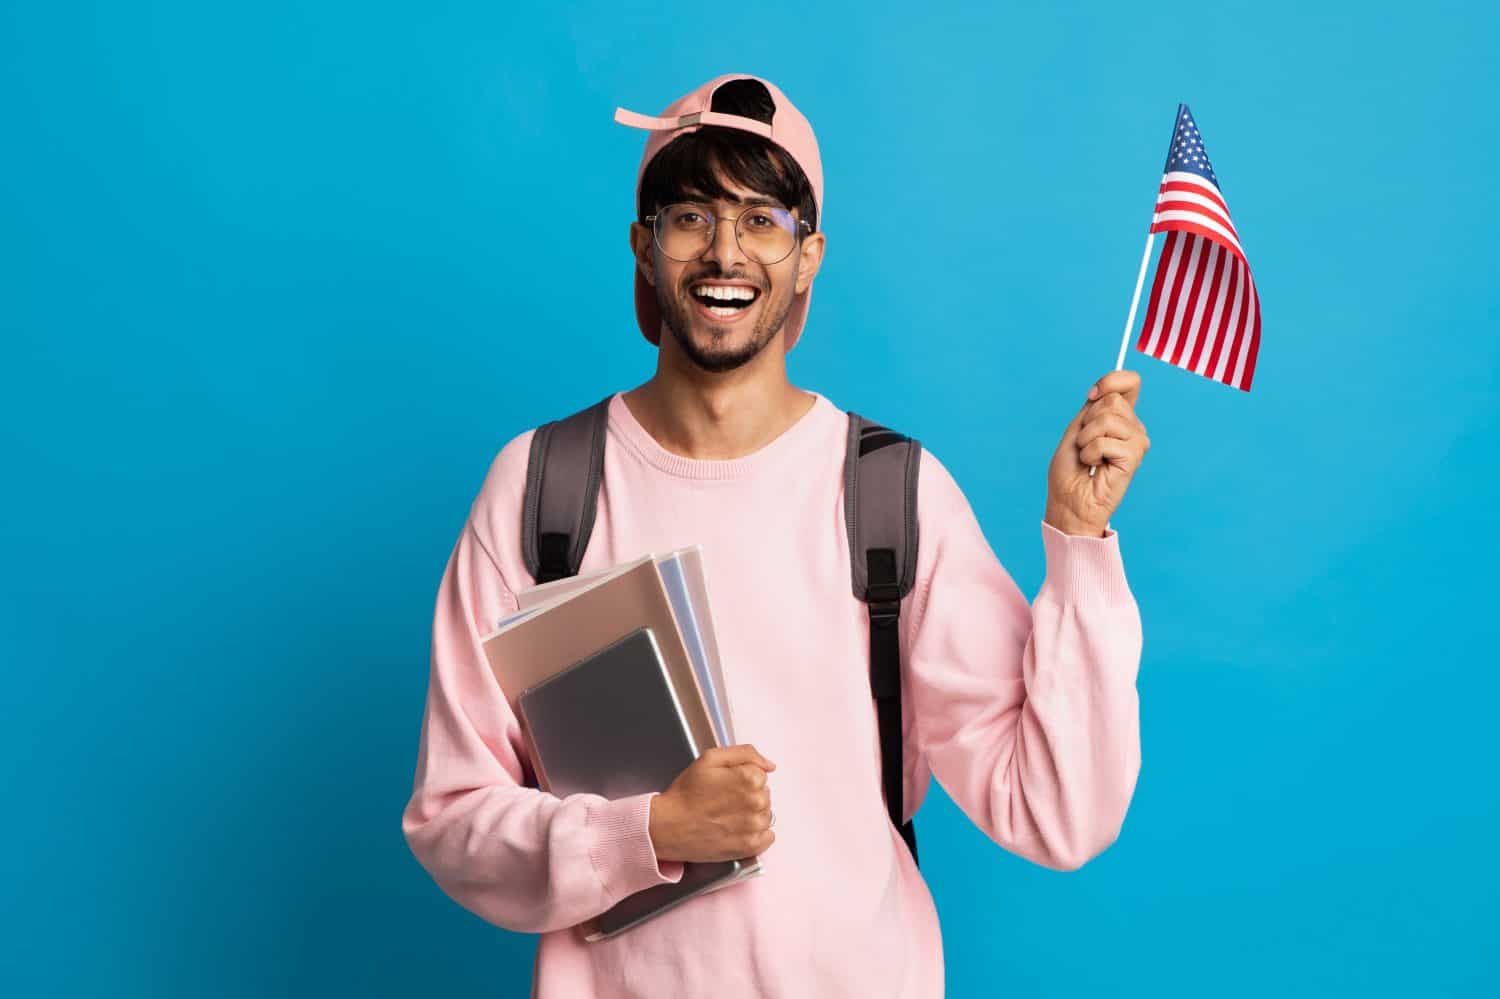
point(687, 218)
point(689, 215)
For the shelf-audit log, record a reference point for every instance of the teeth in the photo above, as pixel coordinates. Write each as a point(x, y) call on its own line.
point(724, 294)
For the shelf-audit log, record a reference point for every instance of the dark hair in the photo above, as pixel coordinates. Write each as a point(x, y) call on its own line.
point(688, 166)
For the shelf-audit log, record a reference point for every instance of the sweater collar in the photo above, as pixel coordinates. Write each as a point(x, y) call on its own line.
point(791, 441)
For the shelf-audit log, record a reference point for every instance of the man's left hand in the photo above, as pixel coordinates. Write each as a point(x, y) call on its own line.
point(1106, 433)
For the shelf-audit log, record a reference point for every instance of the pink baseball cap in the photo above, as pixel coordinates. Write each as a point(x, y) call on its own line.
point(788, 129)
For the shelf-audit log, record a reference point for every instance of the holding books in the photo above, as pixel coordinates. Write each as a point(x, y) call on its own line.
point(617, 681)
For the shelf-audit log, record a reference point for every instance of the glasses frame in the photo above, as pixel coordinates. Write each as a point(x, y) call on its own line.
point(713, 230)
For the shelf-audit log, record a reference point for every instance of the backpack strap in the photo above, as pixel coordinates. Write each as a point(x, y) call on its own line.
point(880, 511)
point(563, 473)
point(566, 466)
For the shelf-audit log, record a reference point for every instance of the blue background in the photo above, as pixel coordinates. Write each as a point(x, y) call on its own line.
point(277, 280)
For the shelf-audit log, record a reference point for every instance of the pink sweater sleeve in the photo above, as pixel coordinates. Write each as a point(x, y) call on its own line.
point(514, 855)
point(1027, 715)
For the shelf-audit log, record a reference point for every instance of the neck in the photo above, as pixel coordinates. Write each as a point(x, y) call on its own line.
point(716, 416)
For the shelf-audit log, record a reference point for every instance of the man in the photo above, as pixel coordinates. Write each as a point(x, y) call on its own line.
point(1028, 715)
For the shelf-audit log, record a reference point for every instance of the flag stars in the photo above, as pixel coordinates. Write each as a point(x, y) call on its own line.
point(1187, 151)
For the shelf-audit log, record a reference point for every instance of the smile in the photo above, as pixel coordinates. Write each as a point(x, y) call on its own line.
point(724, 301)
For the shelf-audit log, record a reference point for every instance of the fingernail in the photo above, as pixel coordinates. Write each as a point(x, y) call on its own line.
point(1093, 391)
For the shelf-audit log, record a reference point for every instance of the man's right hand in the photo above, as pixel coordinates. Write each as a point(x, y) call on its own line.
point(719, 808)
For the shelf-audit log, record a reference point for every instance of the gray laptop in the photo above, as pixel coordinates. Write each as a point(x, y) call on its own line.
point(611, 724)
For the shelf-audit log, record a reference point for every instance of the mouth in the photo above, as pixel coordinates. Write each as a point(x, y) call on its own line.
point(724, 302)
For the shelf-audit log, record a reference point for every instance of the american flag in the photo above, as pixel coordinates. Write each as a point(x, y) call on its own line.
point(1204, 313)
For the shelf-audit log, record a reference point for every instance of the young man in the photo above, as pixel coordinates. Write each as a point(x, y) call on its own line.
point(1027, 715)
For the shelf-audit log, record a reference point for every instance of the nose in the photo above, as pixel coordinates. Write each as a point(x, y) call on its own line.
point(725, 248)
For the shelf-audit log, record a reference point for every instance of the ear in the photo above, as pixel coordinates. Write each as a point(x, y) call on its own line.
point(640, 248)
point(809, 259)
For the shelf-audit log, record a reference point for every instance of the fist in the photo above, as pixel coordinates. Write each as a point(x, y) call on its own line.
point(1104, 433)
point(719, 808)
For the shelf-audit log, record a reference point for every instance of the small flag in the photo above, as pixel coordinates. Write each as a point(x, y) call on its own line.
point(1204, 313)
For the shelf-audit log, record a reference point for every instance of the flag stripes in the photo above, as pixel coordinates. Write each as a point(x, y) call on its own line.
point(1204, 312)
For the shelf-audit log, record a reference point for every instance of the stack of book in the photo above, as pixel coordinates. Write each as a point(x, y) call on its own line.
point(617, 681)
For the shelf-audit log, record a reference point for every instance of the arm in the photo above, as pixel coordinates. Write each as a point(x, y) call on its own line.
point(1027, 715)
point(514, 855)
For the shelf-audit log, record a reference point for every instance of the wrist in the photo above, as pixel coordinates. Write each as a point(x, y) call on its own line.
point(655, 823)
point(1067, 523)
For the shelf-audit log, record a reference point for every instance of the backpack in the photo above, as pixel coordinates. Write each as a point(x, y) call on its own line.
point(566, 465)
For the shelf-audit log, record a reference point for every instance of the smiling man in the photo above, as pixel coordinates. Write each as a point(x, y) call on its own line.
point(1027, 713)
point(721, 319)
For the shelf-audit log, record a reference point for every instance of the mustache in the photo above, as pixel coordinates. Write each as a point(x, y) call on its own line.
point(717, 276)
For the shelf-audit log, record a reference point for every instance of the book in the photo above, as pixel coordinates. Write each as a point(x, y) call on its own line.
point(687, 590)
point(563, 623)
point(611, 724)
point(543, 640)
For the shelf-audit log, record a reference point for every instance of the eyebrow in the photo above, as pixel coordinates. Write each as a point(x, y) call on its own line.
point(753, 202)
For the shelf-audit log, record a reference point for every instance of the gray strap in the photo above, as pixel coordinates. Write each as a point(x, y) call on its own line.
point(880, 501)
point(880, 509)
point(564, 469)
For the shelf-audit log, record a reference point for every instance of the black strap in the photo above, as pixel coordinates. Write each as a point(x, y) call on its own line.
point(885, 682)
point(880, 511)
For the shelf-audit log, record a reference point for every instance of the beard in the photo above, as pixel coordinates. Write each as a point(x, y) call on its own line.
point(714, 348)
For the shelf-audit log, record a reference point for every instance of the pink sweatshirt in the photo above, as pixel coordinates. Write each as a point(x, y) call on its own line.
point(1026, 714)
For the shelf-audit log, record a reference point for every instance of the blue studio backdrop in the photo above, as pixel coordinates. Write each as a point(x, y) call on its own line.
point(277, 280)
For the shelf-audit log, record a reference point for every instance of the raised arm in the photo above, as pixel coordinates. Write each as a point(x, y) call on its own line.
point(1027, 714)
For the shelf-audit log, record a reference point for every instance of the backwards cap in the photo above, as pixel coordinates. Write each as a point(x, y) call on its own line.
point(788, 129)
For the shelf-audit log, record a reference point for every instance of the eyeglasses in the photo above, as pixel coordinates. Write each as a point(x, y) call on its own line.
point(765, 233)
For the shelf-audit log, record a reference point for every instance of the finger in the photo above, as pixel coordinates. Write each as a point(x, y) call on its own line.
point(1124, 381)
point(1108, 425)
point(1074, 425)
point(746, 823)
point(1119, 453)
point(1078, 419)
point(729, 756)
point(1114, 402)
point(753, 776)
point(757, 820)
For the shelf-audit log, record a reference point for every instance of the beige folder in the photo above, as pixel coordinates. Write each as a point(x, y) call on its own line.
point(690, 558)
point(523, 652)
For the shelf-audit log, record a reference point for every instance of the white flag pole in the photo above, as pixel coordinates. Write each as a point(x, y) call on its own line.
point(1135, 300)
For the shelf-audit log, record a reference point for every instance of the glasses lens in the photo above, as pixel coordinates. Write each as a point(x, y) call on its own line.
point(766, 234)
point(683, 231)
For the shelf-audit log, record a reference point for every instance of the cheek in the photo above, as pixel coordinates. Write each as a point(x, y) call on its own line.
point(668, 278)
point(784, 280)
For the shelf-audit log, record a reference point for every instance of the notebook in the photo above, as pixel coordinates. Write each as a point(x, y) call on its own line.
point(682, 575)
point(612, 724)
point(541, 641)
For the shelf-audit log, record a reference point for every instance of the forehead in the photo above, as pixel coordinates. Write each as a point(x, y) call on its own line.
point(737, 196)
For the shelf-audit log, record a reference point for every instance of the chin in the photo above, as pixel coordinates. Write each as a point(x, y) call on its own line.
point(710, 335)
point(714, 347)
point(720, 352)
